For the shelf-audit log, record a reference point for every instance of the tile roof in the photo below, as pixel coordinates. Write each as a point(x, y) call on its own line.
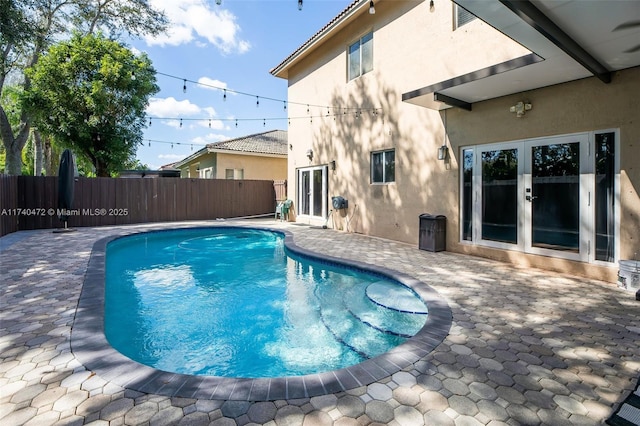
point(273, 142)
point(317, 35)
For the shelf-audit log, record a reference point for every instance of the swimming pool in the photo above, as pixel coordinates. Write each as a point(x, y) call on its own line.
point(91, 348)
point(234, 302)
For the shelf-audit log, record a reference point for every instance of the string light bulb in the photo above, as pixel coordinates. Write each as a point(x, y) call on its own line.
point(224, 97)
point(218, 2)
point(133, 75)
point(181, 122)
point(257, 101)
point(372, 8)
point(299, 4)
point(184, 85)
point(285, 105)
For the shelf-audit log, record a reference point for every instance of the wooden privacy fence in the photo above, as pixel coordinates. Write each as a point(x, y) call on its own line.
point(31, 202)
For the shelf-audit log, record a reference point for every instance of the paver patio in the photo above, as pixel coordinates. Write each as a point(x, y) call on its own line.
point(526, 346)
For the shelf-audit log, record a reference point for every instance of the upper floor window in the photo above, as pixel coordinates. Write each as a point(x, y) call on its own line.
point(383, 166)
point(361, 56)
point(462, 16)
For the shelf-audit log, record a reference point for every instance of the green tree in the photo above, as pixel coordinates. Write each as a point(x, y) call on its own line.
point(90, 93)
point(27, 29)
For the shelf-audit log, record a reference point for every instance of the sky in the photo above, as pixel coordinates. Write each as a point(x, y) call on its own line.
point(234, 46)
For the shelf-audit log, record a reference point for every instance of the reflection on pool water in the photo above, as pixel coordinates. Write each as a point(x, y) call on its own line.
point(233, 302)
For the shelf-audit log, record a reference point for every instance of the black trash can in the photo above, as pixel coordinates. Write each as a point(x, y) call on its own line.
point(433, 232)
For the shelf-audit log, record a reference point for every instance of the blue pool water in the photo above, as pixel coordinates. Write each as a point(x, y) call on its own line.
point(233, 302)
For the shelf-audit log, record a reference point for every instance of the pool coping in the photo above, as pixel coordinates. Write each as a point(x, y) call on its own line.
point(91, 348)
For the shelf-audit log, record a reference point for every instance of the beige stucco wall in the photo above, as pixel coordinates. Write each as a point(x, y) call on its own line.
point(580, 106)
point(415, 47)
point(191, 169)
point(412, 49)
point(255, 167)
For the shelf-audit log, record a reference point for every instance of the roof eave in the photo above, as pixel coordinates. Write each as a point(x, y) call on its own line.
point(282, 70)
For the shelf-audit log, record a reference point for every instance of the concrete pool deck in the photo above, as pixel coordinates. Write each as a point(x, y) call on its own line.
point(525, 346)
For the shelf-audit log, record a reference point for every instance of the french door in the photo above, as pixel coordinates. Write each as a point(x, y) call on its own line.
point(312, 191)
point(551, 196)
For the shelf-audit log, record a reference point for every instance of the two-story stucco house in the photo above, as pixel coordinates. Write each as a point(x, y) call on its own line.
point(517, 120)
point(261, 156)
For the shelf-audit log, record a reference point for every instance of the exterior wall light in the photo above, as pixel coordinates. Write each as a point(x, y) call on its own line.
point(442, 152)
point(520, 108)
point(310, 154)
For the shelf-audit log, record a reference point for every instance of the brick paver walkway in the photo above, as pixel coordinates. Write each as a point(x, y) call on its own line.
point(526, 346)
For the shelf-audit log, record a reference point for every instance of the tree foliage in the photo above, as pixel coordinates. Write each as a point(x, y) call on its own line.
point(90, 93)
point(29, 27)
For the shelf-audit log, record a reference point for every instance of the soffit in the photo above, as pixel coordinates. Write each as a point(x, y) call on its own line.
point(607, 31)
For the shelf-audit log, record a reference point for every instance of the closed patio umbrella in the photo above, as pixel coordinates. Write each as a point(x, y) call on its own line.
point(66, 180)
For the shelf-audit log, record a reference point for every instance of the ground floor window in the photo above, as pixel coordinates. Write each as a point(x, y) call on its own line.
point(234, 173)
point(312, 191)
point(383, 166)
point(554, 196)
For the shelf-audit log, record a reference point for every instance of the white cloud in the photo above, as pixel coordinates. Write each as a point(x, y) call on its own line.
point(170, 156)
point(170, 107)
point(211, 83)
point(195, 21)
point(212, 124)
point(211, 137)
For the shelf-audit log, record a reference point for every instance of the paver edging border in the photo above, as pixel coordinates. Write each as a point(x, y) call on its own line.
point(90, 346)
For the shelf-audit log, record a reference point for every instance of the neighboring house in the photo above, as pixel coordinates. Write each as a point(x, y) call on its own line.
point(521, 126)
point(262, 156)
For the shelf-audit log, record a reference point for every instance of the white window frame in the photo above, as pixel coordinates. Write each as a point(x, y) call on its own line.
point(457, 12)
point(360, 45)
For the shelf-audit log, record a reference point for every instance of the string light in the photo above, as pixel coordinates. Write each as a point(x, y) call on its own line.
point(209, 122)
point(225, 90)
point(264, 122)
point(257, 101)
point(299, 4)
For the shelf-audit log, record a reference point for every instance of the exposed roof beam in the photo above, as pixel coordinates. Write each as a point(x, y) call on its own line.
point(439, 97)
point(545, 26)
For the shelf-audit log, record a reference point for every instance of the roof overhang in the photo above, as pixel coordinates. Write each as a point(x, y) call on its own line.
point(569, 40)
point(353, 10)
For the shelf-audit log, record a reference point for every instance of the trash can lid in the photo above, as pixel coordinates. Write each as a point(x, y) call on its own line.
point(431, 216)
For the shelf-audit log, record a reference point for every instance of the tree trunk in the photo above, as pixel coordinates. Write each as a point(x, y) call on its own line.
point(38, 154)
point(101, 169)
point(48, 157)
point(13, 164)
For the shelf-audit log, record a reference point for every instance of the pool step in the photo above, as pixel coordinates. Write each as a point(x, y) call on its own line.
point(365, 340)
point(371, 329)
point(383, 318)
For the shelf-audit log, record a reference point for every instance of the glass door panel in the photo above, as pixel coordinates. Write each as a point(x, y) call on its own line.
point(305, 191)
point(317, 192)
point(500, 195)
point(555, 196)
